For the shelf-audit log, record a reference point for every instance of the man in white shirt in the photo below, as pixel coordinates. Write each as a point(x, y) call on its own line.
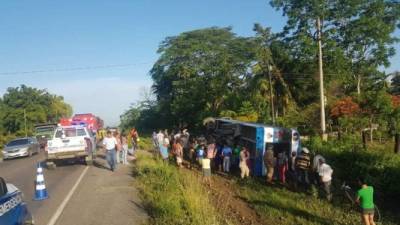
point(325, 173)
point(109, 143)
point(160, 138)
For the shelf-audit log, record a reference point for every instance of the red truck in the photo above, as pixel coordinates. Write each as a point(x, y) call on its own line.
point(92, 122)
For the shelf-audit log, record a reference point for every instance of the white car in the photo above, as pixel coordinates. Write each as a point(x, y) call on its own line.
point(70, 142)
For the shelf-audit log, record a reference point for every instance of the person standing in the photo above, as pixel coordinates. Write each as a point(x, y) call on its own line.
point(118, 147)
point(269, 162)
point(365, 198)
point(206, 167)
point(302, 165)
point(135, 138)
point(124, 151)
point(160, 139)
point(243, 157)
point(226, 154)
point(200, 154)
point(164, 144)
point(179, 153)
point(110, 143)
point(211, 152)
point(154, 139)
point(325, 174)
point(192, 152)
point(282, 162)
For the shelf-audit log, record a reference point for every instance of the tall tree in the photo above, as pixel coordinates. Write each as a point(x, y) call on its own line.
point(200, 73)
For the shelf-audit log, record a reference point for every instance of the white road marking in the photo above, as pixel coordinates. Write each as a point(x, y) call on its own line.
point(60, 209)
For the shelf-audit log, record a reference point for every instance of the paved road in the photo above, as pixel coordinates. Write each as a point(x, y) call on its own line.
point(99, 191)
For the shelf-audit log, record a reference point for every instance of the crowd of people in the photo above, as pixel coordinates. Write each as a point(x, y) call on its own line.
point(300, 170)
point(117, 148)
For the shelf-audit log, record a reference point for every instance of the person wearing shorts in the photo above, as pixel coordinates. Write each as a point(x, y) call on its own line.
point(365, 197)
point(206, 166)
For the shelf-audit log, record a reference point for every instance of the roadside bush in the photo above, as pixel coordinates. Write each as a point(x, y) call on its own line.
point(349, 160)
point(170, 195)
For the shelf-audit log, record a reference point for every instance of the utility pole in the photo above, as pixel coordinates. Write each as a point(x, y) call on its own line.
point(26, 133)
point(271, 97)
point(321, 81)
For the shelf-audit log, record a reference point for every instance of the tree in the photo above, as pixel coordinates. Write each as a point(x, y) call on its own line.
point(357, 35)
point(39, 105)
point(200, 73)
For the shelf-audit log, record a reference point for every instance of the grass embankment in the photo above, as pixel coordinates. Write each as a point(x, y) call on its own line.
point(283, 207)
point(170, 195)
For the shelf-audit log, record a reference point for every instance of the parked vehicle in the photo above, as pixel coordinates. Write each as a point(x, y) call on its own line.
point(21, 147)
point(43, 132)
point(13, 209)
point(92, 122)
point(256, 137)
point(70, 142)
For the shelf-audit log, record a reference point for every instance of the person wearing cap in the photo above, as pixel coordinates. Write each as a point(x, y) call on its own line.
point(302, 165)
point(325, 173)
point(269, 162)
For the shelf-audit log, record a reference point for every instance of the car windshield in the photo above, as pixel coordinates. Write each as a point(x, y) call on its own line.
point(18, 142)
point(70, 132)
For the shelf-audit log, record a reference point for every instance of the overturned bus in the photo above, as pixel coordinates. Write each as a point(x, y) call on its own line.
point(256, 137)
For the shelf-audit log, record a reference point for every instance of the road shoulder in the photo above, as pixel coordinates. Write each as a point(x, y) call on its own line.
point(105, 198)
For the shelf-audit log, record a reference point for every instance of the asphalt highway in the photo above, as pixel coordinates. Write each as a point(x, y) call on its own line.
point(22, 173)
point(89, 193)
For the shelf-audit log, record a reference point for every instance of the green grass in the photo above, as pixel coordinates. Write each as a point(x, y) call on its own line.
point(283, 207)
point(170, 195)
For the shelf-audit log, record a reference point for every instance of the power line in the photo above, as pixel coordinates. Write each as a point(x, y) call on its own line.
point(73, 69)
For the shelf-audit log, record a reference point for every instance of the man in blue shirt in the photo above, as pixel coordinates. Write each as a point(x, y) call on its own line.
point(226, 155)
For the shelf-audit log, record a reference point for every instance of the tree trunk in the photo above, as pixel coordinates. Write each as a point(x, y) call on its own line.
point(397, 143)
point(358, 85)
point(364, 139)
point(371, 137)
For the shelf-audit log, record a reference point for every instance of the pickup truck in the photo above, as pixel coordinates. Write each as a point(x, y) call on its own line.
point(13, 209)
point(70, 142)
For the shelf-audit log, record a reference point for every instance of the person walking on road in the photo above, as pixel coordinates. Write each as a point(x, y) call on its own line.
point(124, 151)
point(110, 143)
point(227, 154)
point(365, 197)
point(269, 162)
point(243, 157)
point(325, 173)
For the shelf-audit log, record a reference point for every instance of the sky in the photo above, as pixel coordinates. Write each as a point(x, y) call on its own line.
point(97, 54)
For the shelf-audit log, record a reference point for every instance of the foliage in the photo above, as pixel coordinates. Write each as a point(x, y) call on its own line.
point(345, 107)
point(381, 168)
point(37, 105)
point(172, 196)
point(200, 73)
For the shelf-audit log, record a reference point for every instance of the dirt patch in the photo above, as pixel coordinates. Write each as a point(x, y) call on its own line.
point(227, 202)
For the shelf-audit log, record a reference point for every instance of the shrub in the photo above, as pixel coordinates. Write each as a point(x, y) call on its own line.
point(349, 160)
